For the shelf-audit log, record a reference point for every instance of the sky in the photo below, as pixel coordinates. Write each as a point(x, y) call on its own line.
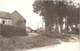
point(24, 7)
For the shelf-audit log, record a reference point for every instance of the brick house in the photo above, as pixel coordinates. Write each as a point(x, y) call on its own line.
point(13, 19)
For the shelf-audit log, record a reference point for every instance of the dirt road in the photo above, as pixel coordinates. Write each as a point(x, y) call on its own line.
point(70, 46)
point(32, 34)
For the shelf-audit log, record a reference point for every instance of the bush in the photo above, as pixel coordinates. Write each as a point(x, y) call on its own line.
point(61, 37)
point(26, 42)
point(10, 31)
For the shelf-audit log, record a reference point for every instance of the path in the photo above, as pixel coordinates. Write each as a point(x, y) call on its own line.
point(70, 46)
point(32, 34)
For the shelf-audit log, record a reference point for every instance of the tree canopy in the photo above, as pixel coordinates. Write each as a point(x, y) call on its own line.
point(54, 11)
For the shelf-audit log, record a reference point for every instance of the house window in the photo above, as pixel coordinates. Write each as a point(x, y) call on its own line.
point(9, 22)
point(3, 22)
point(6, 21)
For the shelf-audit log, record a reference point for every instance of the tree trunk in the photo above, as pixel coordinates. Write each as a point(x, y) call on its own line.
point(57, 30)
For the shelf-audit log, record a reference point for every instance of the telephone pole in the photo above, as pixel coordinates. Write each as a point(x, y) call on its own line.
point(37, 24)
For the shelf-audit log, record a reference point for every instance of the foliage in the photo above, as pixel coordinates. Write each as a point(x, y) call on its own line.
point(11, 31)
point(26, 42)
point(54, 11)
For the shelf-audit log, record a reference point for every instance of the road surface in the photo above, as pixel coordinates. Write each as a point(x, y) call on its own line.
point(32, 34)
point(70, 46)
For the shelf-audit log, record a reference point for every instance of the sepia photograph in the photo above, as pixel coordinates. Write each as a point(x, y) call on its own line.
point(39, 25)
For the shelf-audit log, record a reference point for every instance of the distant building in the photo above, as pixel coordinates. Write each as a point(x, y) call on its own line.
point(13, 19)
point(28, 29)
point(41, 29)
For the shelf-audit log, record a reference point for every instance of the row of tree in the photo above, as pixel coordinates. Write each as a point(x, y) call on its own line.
point(57, 13)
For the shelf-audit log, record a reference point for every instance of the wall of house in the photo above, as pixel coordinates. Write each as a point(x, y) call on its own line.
point(14, 19)
point(18, 20)
point(5, 21)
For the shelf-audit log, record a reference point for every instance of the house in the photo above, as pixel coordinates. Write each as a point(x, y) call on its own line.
point(13, 19)
point(5, 18)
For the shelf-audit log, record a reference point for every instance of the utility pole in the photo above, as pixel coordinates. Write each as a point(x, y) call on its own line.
point(38, 25)
point(43, 25)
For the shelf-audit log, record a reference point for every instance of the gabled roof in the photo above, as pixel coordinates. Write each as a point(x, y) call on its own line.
point(5, 15)
point(16, 14)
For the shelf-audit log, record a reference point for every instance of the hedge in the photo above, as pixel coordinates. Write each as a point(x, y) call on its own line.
point(11, 31)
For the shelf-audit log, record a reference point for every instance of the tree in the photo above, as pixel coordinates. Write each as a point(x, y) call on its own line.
point(45, 9)
point(54, 11)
